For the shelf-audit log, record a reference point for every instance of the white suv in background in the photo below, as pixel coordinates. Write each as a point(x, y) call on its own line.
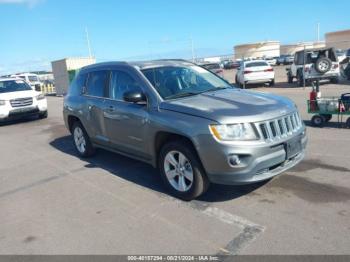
point(255, 72)
point(319, 64)
point(18, 100)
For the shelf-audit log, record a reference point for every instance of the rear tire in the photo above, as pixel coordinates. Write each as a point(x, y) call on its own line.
point(181, 170)
point(323, 65)
point(318, 121)
point(272, 83)
point(82, 141)
point(290, 79)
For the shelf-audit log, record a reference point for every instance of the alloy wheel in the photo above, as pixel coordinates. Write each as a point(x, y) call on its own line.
point(178, 171)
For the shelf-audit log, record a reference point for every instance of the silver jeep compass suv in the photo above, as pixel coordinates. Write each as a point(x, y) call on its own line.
point(191, 124)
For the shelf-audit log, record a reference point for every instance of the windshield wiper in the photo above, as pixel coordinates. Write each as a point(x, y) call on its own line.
point(182, 95)
point(215, 89)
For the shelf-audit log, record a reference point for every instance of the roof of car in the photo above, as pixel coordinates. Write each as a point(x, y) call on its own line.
point(316, 49)
point(143, 64)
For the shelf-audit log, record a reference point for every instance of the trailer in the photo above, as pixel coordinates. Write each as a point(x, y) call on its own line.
point(323, 109)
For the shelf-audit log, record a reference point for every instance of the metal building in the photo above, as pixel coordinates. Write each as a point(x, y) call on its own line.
point(292, 48)
point(338, 39)
point(257, 50)
point(65, 69)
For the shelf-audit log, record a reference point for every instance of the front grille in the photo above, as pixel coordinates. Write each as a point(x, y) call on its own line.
point(279, 128)
point(21, 102)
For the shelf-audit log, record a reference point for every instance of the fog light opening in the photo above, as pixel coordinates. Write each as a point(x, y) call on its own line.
point(234, 160)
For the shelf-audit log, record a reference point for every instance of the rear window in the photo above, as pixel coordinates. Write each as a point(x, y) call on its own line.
point(254, 64)
point(96, 84)
point(77, 85)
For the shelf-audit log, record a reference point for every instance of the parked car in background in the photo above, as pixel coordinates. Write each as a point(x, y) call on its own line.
point(215, 68)
point(271, 61)
point(288, 60)
point(319, 64)
point(255, 72)
point(181, 118)
point(285, 60)
point(18, 100)
point(32, 79)
point(341, 54)
point(348, 53)
point(232, 65)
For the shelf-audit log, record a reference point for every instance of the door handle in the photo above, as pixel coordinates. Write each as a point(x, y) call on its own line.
point(90, 107)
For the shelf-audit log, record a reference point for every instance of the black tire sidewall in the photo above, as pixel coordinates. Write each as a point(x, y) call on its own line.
point(200, 182)
point(320, 118)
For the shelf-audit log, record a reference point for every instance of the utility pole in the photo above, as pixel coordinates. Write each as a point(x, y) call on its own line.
point(88, 41)
point(192, 49)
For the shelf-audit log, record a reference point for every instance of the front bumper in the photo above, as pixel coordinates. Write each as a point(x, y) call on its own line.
point(8, 113)
point(258, 162)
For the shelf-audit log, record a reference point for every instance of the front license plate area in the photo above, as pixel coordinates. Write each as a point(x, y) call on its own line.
point(293, 147)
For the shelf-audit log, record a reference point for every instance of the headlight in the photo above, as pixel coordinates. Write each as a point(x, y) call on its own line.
point(2, 102)
point(233, 132)
point(40, 97)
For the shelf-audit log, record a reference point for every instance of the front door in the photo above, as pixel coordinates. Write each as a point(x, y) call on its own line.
point(126, 123)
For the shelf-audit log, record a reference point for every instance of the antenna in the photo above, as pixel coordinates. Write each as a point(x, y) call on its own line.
point(88, 41)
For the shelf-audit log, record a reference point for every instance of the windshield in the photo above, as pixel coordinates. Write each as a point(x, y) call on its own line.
point(33, 78)
point(178, 81)
point(13, 86)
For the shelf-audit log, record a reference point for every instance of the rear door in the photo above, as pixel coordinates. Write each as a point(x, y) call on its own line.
point(126, 123)
point(95, 93)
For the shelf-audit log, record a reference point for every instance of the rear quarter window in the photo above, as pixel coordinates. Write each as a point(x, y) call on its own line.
point(97, 83)
point(76, 87)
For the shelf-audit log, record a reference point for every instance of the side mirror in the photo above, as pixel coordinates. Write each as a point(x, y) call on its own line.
point(238, 68)
point(134, 97)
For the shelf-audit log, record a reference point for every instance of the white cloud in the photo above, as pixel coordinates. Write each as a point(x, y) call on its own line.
point(30, 3)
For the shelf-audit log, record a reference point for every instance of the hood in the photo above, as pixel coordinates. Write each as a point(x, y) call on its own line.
point(19, 94)
point(232, 106)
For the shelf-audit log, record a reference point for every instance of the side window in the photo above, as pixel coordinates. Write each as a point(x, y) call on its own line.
point(77, 84)
point(96, 84)
point(121, 83)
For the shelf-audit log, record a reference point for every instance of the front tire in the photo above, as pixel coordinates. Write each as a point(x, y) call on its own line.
point(82, 141)
point(43, 115)
point(181, 170)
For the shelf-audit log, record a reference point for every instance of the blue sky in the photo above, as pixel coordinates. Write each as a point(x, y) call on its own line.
point(35, 32)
